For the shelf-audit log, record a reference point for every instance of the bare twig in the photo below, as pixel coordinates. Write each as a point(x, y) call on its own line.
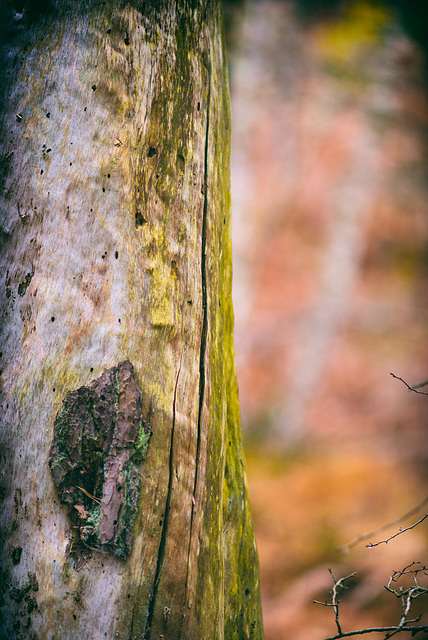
point(365, 536)
point(415, 389)
point(410, 568)
point(337, 584)
point(395, 535)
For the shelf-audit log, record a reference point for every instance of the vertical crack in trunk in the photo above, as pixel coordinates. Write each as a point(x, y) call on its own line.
point(204, 332)
point(162, 545)
point(204, 295)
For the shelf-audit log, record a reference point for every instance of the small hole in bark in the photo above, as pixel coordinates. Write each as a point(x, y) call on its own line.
point(53, 389)
point(190, 302)
point(151, 152)
point(41, 172)
point(102, 397)
point(52, 319)
point(48, 115)
point(108, 175)
point(119, 320)
point(85, 109)
point(247, 591)
point(199, 106)
point(91, 369)
point(180, 163)
point(128, 596)
point(126, 41)
point(139, 219)
point(116, 254)
point(104, 190)
point(115, 522)
point(108, 31)
point(74, 617)
point(94, 87)
point(71, 164)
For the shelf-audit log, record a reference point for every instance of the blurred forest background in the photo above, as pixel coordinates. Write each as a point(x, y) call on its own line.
point(330, 235)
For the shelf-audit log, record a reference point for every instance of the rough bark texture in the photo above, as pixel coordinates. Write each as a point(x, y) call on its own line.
point(114, 224)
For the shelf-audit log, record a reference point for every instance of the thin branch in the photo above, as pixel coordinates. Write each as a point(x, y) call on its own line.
point(399, 532)
point(421, 384)
point(415, 389)
point(338, 584)
point(361, 632)
point(365, 536)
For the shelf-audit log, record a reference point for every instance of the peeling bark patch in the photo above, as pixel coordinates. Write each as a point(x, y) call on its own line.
point(99, 443)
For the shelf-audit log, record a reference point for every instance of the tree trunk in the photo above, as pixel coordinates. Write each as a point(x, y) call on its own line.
point(117, 324)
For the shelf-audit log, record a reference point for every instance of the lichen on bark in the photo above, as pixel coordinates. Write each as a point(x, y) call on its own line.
point(99, 442)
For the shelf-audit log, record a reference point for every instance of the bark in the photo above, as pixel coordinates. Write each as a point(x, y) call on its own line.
point(116, 261)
